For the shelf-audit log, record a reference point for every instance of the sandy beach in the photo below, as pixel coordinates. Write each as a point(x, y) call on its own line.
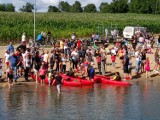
point(110, 70)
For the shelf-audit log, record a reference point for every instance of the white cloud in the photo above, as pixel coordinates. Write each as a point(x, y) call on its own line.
point(42, 5)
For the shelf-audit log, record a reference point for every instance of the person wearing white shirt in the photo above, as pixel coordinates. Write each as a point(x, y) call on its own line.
point(6, 58)
point(75, 58)
point(23, 37)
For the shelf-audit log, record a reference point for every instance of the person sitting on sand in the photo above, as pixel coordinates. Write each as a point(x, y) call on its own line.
point(117, 77)
point(70, 73)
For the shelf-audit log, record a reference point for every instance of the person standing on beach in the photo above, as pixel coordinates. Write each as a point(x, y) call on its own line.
point(103, 61)
point(75, 58)
point(42, 72)
point(158, 41)
point(6, 58)
point(138, 61)
point(62, 46)
point(27, 65)
point(10, 48)
point(143, 55)
point(156, 59)
point(37, 64)
point(125, 65)
point(13, 60)
point(147, 67)
point(23, 38)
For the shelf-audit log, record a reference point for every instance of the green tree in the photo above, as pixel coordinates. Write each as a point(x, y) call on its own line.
point(114, 6)
point(64, 6)
point(27, 8)
point(143, 6)
point(2, 7)
point(90, 8)
point(10, 7)
point(122, 6)
point(53, 9)
point(76, 7)
point(104, 7)
point(119, 6)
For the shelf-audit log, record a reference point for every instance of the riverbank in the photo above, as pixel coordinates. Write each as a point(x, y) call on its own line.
point(110, 70)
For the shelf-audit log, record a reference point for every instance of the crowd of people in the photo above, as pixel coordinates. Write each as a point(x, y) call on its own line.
point(78, 57)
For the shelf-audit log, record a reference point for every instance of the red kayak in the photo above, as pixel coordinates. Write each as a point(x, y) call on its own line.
point(72, 82)
point(64, 76)
point(39, 79)
point(86, 82)
point(113, 82)
point(77, 80)
point(98, 78)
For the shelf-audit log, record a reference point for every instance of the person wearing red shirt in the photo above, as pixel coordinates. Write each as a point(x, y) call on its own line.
point(79, 43)
point(113, 58)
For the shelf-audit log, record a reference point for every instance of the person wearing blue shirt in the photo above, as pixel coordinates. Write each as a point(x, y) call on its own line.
point(10, 48)
point(159, 41)
point(13, 59)
point(39, 37)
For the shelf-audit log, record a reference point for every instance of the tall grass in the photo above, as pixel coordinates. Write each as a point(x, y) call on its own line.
point(12, 25)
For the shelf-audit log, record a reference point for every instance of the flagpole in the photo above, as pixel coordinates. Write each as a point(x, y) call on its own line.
point(34, 20)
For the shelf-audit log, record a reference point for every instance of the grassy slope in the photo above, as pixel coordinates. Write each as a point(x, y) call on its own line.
point(12, 25)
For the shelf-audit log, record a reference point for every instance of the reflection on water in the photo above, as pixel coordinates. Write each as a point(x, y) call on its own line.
point(100, 102)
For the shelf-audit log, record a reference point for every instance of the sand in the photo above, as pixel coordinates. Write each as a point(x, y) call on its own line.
point(110, 70)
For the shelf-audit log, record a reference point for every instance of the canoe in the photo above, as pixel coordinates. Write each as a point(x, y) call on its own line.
point(86, 82)
point(72, 82)
point(113, 82)
point(76, 79)
point(64, 76)
point(39, 79)
point(98, 78)
point(47, 82)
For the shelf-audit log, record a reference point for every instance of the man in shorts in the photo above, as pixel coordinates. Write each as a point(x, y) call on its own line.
point(125, 65)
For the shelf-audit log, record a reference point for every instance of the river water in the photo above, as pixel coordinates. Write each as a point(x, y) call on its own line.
point(141, 101)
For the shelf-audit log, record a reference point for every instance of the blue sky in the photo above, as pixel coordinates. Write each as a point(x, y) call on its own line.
point(42, 5)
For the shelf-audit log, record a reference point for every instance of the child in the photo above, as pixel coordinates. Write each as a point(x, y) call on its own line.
point(60, 66)
point(27, 65)
point(59, 81)
point(9, 76)
point(147, 67)
point(70, 73)
point(113, 58)
point(64, 60)
point(99, 63)
point(1, 68)
point(130, 68)
point(86, 64)
point(50, 77)
point(117, 77)
point(149, 49)
point(42, 72)
point(6, 58)
point(91, 73)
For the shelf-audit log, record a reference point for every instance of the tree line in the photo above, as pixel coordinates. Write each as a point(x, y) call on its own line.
point(116, 6)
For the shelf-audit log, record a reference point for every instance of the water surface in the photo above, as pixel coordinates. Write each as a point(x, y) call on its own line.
point(98, 102)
